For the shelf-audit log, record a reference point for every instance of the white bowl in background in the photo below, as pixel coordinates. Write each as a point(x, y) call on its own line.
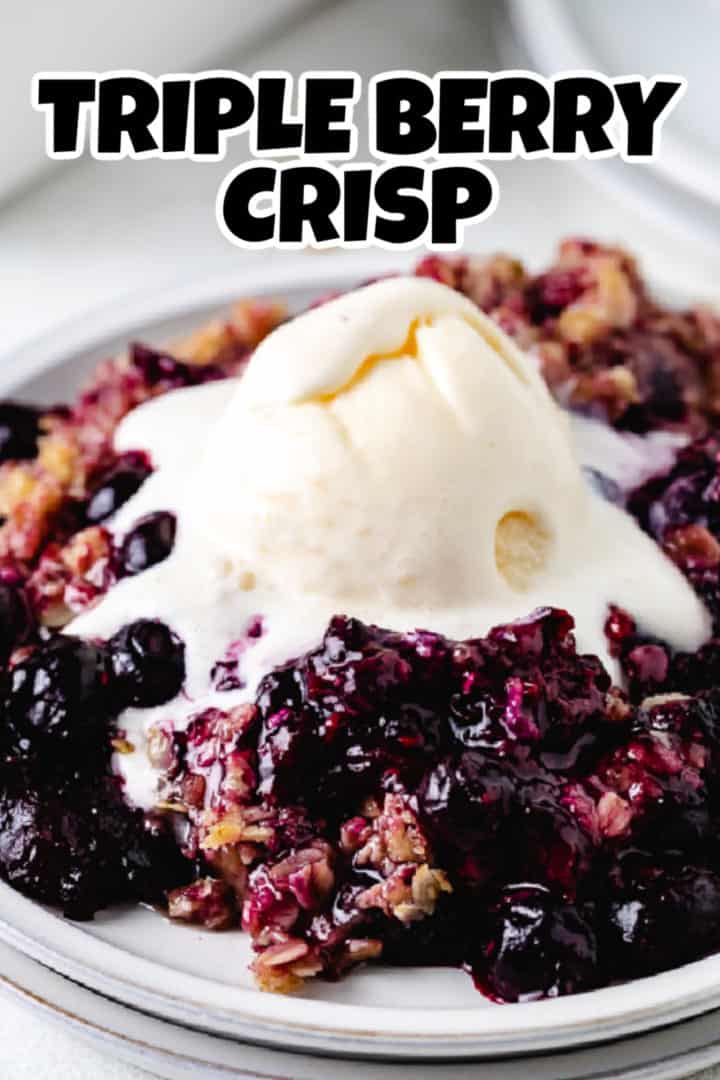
point(84, 35)
point(680, 188)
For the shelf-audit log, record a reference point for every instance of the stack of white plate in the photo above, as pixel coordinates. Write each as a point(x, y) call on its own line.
point(647, 37)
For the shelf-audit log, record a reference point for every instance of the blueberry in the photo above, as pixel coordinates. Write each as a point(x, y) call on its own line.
point(148, 543)
point(535, 945)
point(116, 485)
point(59, 692)
point(19, 430)
point(148, 663)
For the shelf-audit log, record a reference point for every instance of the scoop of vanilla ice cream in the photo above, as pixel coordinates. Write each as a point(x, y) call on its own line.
point(393, 444)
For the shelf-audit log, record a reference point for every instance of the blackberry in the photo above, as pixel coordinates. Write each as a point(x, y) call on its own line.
point(664, 919)
point(59, 693)
point(80, 847)
point(535, 945)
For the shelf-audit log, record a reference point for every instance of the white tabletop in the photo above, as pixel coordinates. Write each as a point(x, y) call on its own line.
point(95, 231)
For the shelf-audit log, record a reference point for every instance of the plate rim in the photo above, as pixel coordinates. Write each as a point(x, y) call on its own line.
point(151, 1043)
point(298, 1022)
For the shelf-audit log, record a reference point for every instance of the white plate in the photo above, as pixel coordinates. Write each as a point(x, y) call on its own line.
point(200, 979)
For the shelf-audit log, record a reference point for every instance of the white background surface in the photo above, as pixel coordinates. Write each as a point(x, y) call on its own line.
point(95, 231)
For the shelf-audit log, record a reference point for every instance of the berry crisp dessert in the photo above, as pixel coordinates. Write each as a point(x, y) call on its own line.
point(386, 632)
